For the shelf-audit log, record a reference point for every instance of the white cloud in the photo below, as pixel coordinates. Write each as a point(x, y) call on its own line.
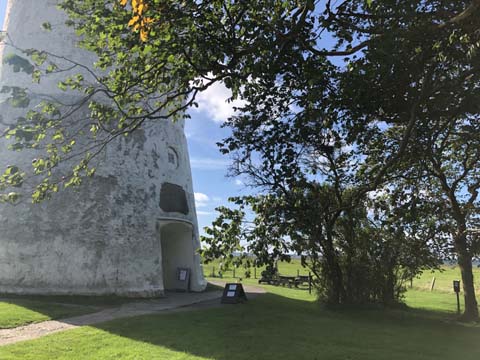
point(201, 199)
point(204, 213)
point(238, 182)
point(209, 163)
point(217, 199)
point(213, 101)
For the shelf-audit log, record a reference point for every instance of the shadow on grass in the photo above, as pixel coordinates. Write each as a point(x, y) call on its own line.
point(274, 327)
point(17, 310)
point(268, 327)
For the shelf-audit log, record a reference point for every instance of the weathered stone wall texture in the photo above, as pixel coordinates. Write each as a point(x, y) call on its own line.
point(103, 237)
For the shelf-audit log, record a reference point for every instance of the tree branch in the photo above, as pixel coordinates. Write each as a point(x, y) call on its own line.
point(346, 52)
point(464, 15)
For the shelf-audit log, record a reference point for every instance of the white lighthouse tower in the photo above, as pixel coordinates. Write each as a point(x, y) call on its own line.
point(131, 229)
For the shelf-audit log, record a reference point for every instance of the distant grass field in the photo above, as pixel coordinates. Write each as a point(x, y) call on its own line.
point(285, 268)
point(442, 298)
point(443, 278)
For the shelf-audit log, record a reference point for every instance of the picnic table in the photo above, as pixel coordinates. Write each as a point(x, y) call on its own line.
point(272, 277)
point(287, 280)
point(302, 279)
point(269, 276)
point(293, 280)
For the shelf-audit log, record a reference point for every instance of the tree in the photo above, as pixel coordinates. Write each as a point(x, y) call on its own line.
point(356, 259)
point(450, 160)
point(422, 84)
point(310, 207)
point(418, 62)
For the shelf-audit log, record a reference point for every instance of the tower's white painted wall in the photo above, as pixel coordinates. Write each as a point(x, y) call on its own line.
point(103, 237)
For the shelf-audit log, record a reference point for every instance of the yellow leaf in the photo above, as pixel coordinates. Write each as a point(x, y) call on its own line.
point(123, 2)
point(142, 8)
point(143, 35)
point(133, 20)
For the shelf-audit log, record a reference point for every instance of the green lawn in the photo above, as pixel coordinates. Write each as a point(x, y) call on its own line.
point(284, 324)
point(22, 310)
point(17, 312)
point(270, 327)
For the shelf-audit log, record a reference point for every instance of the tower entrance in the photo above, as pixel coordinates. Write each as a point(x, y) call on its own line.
point(176, 239)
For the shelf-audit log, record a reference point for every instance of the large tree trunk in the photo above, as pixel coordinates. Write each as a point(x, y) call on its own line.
point(336, 293)
point(464, 256)
point(465, 264)
point(388, 296)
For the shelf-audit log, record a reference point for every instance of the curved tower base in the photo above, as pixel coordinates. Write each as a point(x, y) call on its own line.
point(126, 230)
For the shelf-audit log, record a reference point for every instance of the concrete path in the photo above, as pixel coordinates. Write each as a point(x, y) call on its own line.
point(172, 303)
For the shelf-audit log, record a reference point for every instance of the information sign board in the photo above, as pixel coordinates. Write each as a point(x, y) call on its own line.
point(233, 294)
point(182, 280)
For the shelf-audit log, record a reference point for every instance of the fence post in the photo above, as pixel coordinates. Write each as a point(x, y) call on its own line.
point(309, 282)
point(254, 272)
point(433, 284)
point(234, 272)
point(298, 273)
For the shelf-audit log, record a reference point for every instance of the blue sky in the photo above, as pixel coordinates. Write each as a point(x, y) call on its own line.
point(209, 167)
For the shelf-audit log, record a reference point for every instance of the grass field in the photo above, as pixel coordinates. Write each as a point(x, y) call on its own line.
point(285, 268)
point(283, 324)
point(443, 277)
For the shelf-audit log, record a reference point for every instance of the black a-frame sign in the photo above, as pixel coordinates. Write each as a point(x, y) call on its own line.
point(233, 294)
